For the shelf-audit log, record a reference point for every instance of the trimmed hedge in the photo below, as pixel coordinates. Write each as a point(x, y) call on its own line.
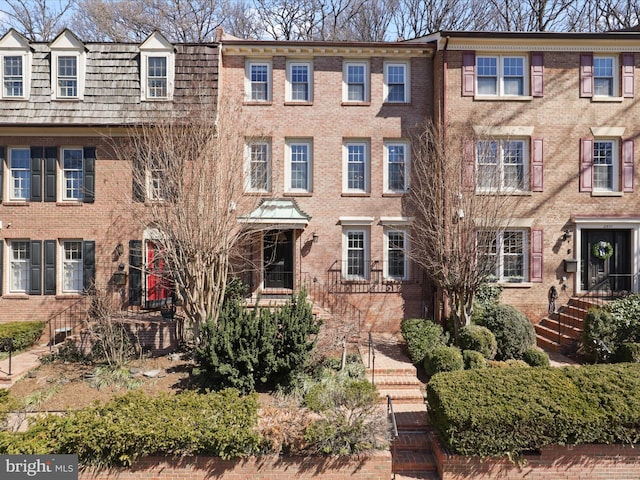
point(473, 359)
point(24, 334)
point(443, 359)
point(421, 336)
point(478, 338)
point(135, 425)
point(536, 358)
point(513, 331)
point(513, 410)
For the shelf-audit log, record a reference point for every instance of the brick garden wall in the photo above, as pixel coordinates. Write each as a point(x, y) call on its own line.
point(376, 466)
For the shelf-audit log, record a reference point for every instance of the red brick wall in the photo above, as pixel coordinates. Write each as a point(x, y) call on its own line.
point(376, 466)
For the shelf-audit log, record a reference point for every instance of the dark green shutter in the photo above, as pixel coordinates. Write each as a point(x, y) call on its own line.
point(89, 174)
point(50, 169)
point(89, 265)
point(36, 173)
point(1, 183)
point(135, 272)
point(35, 277)
point(50, 247)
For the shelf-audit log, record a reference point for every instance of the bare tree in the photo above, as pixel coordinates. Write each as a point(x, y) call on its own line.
point(243, 21)
point(372, 21)
point(38, 20)
point(532, 15)
point(188, 165)
point(415, 18)
point(456, 230)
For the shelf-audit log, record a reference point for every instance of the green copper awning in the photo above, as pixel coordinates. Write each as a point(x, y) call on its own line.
point(277, 213)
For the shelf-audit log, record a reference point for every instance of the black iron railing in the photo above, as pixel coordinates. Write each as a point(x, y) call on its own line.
point(67, 321)
point(371, 359)
point(394, 433)
point(367, 278)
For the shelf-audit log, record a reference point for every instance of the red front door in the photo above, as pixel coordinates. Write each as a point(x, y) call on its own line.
point(158, 283)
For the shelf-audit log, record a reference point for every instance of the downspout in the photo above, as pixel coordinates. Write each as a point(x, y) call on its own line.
point(443, 121)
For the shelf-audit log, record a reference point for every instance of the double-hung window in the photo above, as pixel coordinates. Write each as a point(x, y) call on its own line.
point(67, 67)
point(15, 66)
point(157, 77)
point(72, 281)
point(501, 75)
point(20, 258)
point(396, 256)
point(396, 82)
point(396, 173)
point(258, 167)
point(13, 76)
point(503, 255)
point(604, 78)
point(258, 82)
point(299, 165)
point(68, 56)
point(501, 165)
point(356, 167)
point(72, 173)
point(20, 167)
point(299, 82)
point(355, 82)
point(356, 254)
point(157, 68)
point(605, 165)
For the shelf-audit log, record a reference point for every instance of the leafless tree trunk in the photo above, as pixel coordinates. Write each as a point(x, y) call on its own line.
point(38, 20)
point(453, 224)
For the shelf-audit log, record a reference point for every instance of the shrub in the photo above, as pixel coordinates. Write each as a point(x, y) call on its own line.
point(478, 338)
point(135, 425)
point(443, 359)
point(421, 336)
point(473, 359)
point(495, 412)
point(24, 334)
point(628, 352)
point(536, 358)
point(514, 333)
point(511, 363)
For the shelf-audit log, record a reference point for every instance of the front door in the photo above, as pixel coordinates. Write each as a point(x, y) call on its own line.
point(278, 259)
point(606, 260)
point(158, 283)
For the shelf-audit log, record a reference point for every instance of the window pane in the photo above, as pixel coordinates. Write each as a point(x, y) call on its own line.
point(396, 255)
point(355, 83)
point(603, 165)
point(20, 265)
point(356, 167)
point(259, 82)
point(157, 77)
point(513, 256)
point(259, 167)
point(603, 73)
point(487, 86)
point(513, 160)
point(299, 166)
point(20, 165)
point(396, 83)
point(72, 267)
point(13, 82)
point(355, 254)
point(67, 77)
point(72, 170)
point(513, 86)
point(396, 167)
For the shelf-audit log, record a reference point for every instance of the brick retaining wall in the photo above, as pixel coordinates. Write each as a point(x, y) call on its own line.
point(375, 466)
point(557, 462)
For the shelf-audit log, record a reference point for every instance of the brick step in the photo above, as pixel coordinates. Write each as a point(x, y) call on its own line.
point(412, 395)
point(411, 417)
point(405, 461)
point(417, 476)
point(396, 381)
point(407, 370)
point(563, 328)
point(547, 344)
point(570, 319)
point(416, 440)
point(551, 334)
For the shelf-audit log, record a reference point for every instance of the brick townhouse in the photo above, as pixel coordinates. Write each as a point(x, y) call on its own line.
point(559, 114)
point(67, 210)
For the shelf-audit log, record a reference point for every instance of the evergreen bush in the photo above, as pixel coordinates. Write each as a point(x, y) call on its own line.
point(536, 358)
point(422, 336)
point(514, 333)
point(24, 334)
point(443, 359)
point(478, 338)
point(473, 359)
point(628, 352)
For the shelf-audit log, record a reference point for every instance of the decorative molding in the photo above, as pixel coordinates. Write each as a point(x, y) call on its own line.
point(607, 131)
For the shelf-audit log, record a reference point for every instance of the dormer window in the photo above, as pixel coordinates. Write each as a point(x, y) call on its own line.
point(15, 64)
point(157, 60)
point(67, 67)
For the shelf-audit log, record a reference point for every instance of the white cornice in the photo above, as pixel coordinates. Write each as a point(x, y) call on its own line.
point(533, 45)
point(326, 51)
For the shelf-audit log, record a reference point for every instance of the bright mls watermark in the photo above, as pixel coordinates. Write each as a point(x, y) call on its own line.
point(40, 467)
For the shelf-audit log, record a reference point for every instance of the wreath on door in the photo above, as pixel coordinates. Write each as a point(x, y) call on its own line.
point(602, 250)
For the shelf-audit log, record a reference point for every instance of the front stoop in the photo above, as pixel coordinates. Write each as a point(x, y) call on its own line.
point(412, 456)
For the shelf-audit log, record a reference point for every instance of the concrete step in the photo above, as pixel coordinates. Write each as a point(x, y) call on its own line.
point(405, 461)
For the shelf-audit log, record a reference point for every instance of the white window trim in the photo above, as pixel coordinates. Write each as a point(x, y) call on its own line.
point(345, 85)
point(405, 233)
point(8, 184)
point(289, 82)
point(287, 171)
point(616, 70)
point(247, 80)
point(150, 190)
point(345, 249)
point(345, 165)
point(500, 76)
point(60, 173)
point(62, 262)
point(80, 73)
point(526, 167)
point(407, 165)
point(407, 81)
point(616, 159)
point(499, 267)
point(9, 266)
point(144, 66)
point(247, 166)
point(26, 73)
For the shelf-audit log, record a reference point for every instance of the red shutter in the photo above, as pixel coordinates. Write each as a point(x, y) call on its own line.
point(628, 73)
point(469, 167)
point(537, 74)
point(468, 74)
point(627, 166)
point(586, 164)
point(586, 75)
point(537, 247)
point(537, 170)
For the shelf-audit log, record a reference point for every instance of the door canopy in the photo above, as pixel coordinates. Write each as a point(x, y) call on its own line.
point(280, 214)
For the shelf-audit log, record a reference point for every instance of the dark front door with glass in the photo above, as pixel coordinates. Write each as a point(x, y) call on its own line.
point(278, 259)
point(606, 261)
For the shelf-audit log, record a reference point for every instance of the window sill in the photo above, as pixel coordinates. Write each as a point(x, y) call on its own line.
point(257, 193)
point(65, 99)
point(515, 284)
point(297, 194)
point(152, 100)
point(16, 203)
point(504, 193)
point(396, 104)
point(16, 296)
point(257, 103)
point(356, 104)
point(69, 203)
point(16, 99)
point(499, 98)
point(607, 99)
point(607, 194)
point(355, 281)
point(293, 103)
point(69, 295)
point(394, 194)
point(355, 194)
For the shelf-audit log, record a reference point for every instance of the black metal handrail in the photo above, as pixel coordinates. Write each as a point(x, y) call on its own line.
point(373, 279)
point(65, 322)
point(394, 432)
point(371, 359)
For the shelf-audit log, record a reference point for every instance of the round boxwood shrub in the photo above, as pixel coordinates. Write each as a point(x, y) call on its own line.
point(478, 338)
point(536, 358)
point(421, 336)
point(628, 352)
point(513, 331)
point(473, 360)
point(511, 363)
point(443, 359)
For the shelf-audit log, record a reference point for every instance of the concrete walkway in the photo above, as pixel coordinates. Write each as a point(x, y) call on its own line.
point(21, 364)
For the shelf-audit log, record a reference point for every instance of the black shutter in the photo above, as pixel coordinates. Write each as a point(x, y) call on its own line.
point(137, 186)
point(89, 174)
point(135, 272)
point(89, 265)
point(1, 262)
point(1, 183)
point(35, 277)
point(36, 173)
point(50, 247)
point(50, 168)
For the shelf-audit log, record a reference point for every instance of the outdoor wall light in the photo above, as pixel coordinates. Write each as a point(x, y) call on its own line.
point(566, 234)
point(119, 249)
point(315, 237)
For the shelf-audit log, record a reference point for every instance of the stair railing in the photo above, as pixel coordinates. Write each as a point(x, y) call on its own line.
point(65, 322)
point(394, 433)
point(371, 359)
